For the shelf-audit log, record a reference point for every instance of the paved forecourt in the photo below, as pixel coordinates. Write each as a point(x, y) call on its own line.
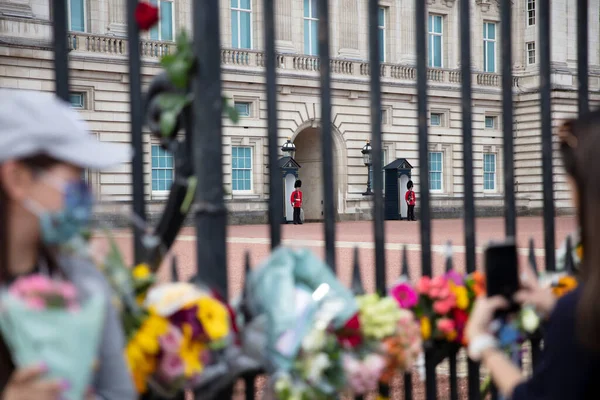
point(255, 240)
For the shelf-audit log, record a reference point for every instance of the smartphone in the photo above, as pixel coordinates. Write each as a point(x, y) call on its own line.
point(502, 272)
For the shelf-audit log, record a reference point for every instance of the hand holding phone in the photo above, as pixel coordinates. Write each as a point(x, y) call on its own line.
point(502, 272)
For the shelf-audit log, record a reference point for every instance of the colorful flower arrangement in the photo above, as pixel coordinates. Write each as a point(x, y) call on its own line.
point(35, 311)
point(175, 336)
point(376, 343)
point(441, 304)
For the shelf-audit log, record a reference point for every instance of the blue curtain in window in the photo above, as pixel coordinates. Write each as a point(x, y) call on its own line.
point(241, 168)
point(382, 34)
point(435, 41)
point(435, 171)
point(162, 169)
point(166, 20)
point(77, 8)
point(489, 49)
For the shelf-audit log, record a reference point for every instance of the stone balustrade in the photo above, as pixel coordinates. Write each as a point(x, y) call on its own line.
point(241, 58)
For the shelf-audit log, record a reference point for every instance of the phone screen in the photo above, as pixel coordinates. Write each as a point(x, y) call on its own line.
point(501, 269)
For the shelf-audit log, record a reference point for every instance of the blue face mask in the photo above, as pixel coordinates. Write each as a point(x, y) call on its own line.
point(58, 227)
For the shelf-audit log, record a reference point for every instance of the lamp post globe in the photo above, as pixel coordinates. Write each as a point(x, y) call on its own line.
point(366, 152)
point(289, 148)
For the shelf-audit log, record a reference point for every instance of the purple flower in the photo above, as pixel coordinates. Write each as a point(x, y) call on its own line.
point(188, 316)
point(455, 277)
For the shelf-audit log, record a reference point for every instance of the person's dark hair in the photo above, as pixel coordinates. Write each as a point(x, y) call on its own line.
point(298, 184)
point(409, 185)
point(39, 162)
point(579, 147)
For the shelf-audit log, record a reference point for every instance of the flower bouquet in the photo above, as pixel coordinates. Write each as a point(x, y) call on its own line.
point(322, 340)
point(175, 337)
point(49, 321)
point(442, 304)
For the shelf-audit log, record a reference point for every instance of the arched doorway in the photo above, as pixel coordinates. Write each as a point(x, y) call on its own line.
point(309, 156)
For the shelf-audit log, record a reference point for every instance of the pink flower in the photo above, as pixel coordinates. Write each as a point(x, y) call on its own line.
point(439, 288)
point(363, 376)
point(423, 285)
point(445, 325)
point(68, 291)
point(405, 295)
point(170, 342)
point(443, 307)
point(35, 303)
point(171, 367)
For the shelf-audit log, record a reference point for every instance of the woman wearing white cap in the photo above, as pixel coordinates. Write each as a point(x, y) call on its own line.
point(44, 148)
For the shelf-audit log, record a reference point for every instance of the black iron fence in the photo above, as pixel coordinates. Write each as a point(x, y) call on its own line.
point(203, 144)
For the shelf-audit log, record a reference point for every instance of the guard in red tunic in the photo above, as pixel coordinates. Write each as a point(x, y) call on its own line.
point(296, 200)
point(411, 200)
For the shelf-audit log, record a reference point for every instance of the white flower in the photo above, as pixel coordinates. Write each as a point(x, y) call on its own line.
point(529, 319)
point(314, 341)
point(315, 366)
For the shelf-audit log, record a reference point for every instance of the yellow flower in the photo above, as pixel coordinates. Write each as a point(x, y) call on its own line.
point(451, 336)
point(141, 271)
point(214, 318)
point(142, 349)
point(425, 328)
point(579, 251)
point(461, 294)
point(190, 352)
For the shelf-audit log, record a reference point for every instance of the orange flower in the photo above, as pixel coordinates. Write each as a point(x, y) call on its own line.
point(395, 357)
point(564, 286)
point(479, 283)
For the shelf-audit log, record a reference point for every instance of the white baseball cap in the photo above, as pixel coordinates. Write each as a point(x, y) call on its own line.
point(33, 123)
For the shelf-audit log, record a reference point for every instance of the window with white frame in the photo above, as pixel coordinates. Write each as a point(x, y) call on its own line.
point(436, 119)
point(489, 171)
point(311, 26)
point(165, 28)
point(241, 24)
point(530, 12)
point(162, 169)
point(436, 39)
point(77, 100)
point(77, 15)
point(489, 47)
point(241, 169)
point(491, 122)
point(436, 171)
point(243, 108)
point(382, 33)
point(530, 53)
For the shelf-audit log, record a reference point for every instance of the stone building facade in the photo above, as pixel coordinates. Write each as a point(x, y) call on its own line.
point(99, 86)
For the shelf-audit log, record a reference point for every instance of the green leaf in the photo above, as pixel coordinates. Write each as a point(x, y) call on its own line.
point(168, 121)
point(230, 111)
point(178, 72)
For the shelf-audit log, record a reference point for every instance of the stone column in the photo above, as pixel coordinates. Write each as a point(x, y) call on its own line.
point(348, 28)
point(283, 26)
point(117, 24)
point(406, 22)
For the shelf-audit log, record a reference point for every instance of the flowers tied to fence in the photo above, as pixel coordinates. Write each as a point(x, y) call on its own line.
point(45, 320)
point(321, 339)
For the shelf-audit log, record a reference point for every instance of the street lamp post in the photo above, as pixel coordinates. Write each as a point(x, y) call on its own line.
point(289, 148)
point(368, 160)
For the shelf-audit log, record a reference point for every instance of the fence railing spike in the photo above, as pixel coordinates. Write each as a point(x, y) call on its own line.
point(174, 270)
point(532, 260)
point(247, 267)
point(449, 264)
point(569, 263)
point(405, 271)
point(357, 285)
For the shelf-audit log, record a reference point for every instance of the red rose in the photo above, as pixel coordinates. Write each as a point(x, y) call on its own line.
point(460, 320)
point(349, 335)
point(146, 15)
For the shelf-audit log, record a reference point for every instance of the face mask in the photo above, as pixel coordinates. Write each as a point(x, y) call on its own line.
point(58, 227)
